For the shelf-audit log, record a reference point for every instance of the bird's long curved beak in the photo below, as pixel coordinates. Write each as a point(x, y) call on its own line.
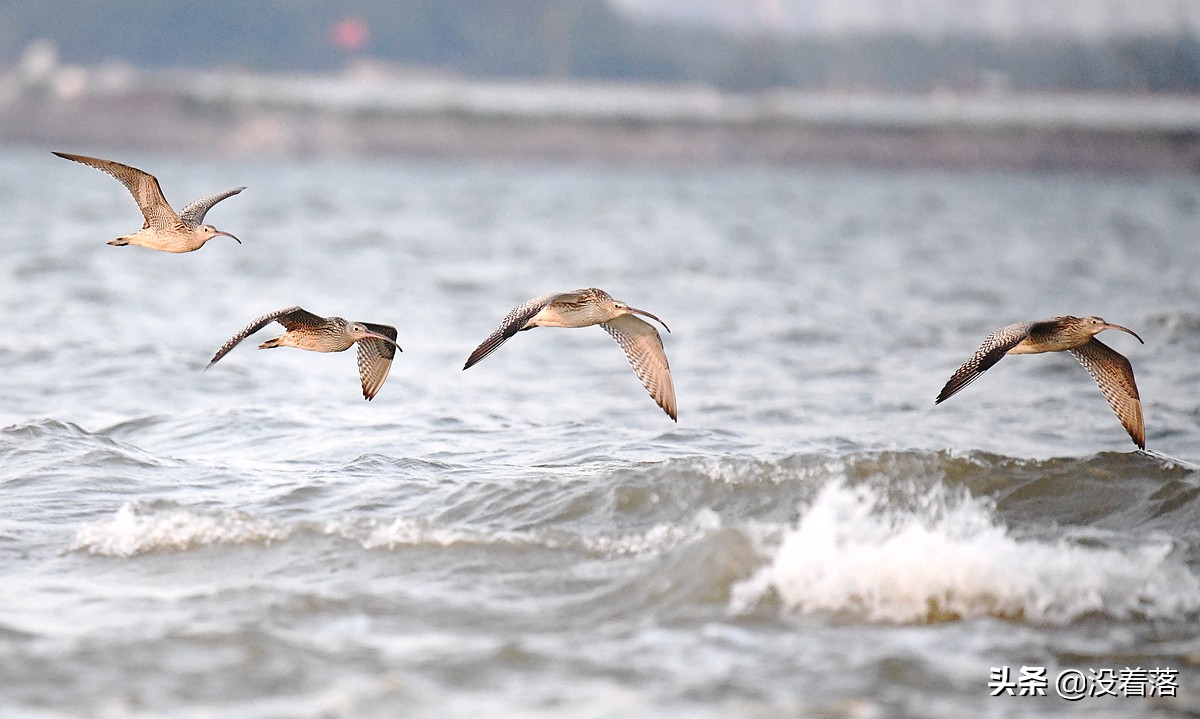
point(385, 338)
point(1109, 326)
point(644, 313)
point(226, 234)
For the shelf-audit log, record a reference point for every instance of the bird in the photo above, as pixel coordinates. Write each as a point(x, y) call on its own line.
point(163, 229)
point(307, 331)
point(591, 306)
point(1076, 335)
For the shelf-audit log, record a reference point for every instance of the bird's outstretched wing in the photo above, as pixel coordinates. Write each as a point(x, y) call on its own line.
point(294, 318)
point(375, 358)
point(513, 323)
point(193, 214)
point(289, 317)
point(993, 349)
point(142, 185)
point(1114, 374)
point(644, 348)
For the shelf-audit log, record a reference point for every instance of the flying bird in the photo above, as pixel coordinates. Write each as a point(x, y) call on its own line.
point(586, 307)
point(1076, 335)
point(376, 343)
point(163, 229)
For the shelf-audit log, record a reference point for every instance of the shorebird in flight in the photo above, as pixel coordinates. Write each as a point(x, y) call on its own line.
point(586, 307)
point(376, 343)
point(1076, 335)
point(163, 229)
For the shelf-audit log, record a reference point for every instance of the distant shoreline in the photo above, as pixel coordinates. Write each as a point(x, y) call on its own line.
point(381, 115)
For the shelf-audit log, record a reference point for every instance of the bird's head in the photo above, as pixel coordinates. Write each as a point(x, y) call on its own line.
point(358, 331)
point(1096, 325)
point(208, 232)
point(619, 308)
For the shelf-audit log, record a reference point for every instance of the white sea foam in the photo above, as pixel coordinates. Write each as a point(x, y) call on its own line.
point(404, 531)
point(132, 531)
point(951, 558)
point(659, 538)
point(135, 530)
point(409, 532)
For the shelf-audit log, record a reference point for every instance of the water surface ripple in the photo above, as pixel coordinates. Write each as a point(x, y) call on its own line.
point(533, 537)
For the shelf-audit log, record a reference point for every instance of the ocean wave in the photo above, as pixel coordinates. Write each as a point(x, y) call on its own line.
point(854, 554)
point(692, 578)
point(881, 536)
point(136, 529)
point(408, 532)
point(43, 444)
point(133, 531)
point(1112, 487)
point(658, 538)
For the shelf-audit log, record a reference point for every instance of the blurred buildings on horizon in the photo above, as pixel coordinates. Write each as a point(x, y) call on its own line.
point(373, 110)
point(1088, 20)
point(811, 45)
point(579, 79)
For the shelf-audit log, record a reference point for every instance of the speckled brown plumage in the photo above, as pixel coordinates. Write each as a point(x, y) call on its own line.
point(307, 331)
point(639, 339)
point(162, 229)
point(1076, 335)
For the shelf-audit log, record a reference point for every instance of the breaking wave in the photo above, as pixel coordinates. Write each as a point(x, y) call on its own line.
point(949, 558)
point(131, 531)
point(135, 530)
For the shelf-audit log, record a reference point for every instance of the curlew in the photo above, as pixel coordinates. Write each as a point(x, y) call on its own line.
point(1076, 335)
point(376, 343)
point(163, 229)
point(586, 307)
